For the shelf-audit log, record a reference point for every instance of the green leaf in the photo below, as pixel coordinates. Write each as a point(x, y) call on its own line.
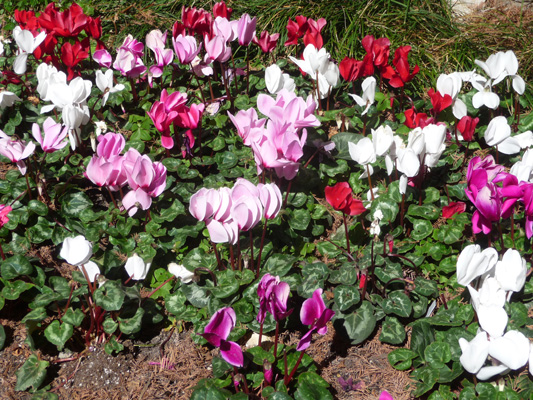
point(2, 337)
point(341, 141)
point(397, 303)
point(109, 296)
point(345, 274)
point(432, 195)
point(226, 160)
point(300, 219)
point(227, 284)
point(437, 354)
point(38, 208)
point(132, 324)
point(259, 355)
point(196, 295)
point(346, 296)
point(361, 323)
point(32, 373)
point(307, 391)
point(72, 204)
point(392, 331)
point(58, 334)
point(14, 266)
point(425, 211)
point(110, 326)
point(421, 229)
point(401, 359)
point(38, 315)
point(73, 317)
point(113, 346)
point(422, 336)
point(13, 290)
point(426, 287)
point(279, 264)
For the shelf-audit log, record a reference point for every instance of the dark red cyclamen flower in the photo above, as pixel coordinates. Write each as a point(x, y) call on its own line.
point(313, 36)
point(94, 27)
point(66, 23)
point(467, 127)
point(178, 29)
point(351, 69)
point(71, 55)
point(266, 42)
point(341, 198)
point(401, 74)
point(416, 120)
point(455, 207)
point(48, 46)
point(222, 10)
point(27, 20)
point(439, 102)
point(296, 30)
point(379, 50)
point(197, 20)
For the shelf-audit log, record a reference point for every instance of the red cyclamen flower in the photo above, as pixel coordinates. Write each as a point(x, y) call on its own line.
point(402, 74)
point(467, 127)
point(340, 197)
point(266, 42)
point(438, 101)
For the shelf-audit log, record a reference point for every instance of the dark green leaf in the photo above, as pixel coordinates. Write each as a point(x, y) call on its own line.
point(421, 229)
point(109, 296)
point(361, 323)
point(132, 324)
point(58, 333)
point(401, 359)
point(392, 331)
point(15, 266)
point(346, 296)
point(397, 303)
point(437, 354)
point(32, 373)
point(73, 317)
point(72, 204)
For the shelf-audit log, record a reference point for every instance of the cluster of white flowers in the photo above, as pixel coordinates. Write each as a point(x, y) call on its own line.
point(497, 281)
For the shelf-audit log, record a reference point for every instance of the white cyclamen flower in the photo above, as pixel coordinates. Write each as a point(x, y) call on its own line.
point(136, 268)
point(180, 272)
point(77, 250)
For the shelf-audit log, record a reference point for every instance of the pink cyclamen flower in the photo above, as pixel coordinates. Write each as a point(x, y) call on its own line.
point(385, 396)
point(16, 150)
point(147, 179)
point(266, 42)
point(4, 211)
point(128, 60)
point(54, 136)
point(246, 208)
point(186, 48)
point(103, 58)
point(217, 49)
point(270, 197)
point(273, 296)
point(246, 29)
point(315, 314)
point(217, 331)
point(110, 145)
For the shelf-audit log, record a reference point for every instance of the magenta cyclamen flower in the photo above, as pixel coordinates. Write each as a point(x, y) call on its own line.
point(527, 199)
point(315, 314)
point(273, 296)
point(128, 60)
point(54, 136)
point(4, 211)
point(217, 331)
point(110, 145)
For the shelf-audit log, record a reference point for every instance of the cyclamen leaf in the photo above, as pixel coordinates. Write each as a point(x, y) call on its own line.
point(32, 373)
point(58, 333)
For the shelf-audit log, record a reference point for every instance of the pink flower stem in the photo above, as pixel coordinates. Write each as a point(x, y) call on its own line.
point(232, 257)
point(112, 197)
point(235, 76)
point(258, 265)
point(134, 90)
point(219, 263)
point(260, 334)
point(211, 89)
point(247, 72)
point(159, 287)
point(276, 340)
point(347, 235)
point(310, 158)
point(251, 251)
point(239, 255)
point(287, 379)
point(287, 194)
point(28, 185)
point(3, 256)
point(501, 236)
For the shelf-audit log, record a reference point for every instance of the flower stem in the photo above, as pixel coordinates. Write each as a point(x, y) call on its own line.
point(347, 235)
point(369, 182)
point(157, 288)
point(276, 340)
point(258, 265)
point(287, 379)
point(251, 251)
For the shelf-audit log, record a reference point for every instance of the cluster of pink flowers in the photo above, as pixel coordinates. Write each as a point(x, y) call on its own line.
point(108, 168)
point(172, 109)
point(277, 143)
point(227, 211)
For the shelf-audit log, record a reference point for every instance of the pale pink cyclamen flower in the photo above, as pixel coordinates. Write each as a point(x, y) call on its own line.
point(103, 58)
point(147, 179)
point(246, 207)
point(54, 136)
point(186, 48)
point(110, 145)
point(246, 29)
point(128, 60)
point(16, 150)
point(217, 49)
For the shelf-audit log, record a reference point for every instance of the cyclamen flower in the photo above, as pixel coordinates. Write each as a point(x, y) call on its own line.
point(136, 268)
point(54, 136)
point(315, 314)
point(77, 250)
point(273, 295)
point(217, 331)
point(4, 211)
point(341, 198)
point(16, 150)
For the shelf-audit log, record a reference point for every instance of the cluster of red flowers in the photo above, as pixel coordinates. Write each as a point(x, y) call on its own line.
point(307, 28)
point(377, 57)
point(59, 25)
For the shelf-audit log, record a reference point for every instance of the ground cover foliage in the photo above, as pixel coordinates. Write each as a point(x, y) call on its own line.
point(234, 198)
